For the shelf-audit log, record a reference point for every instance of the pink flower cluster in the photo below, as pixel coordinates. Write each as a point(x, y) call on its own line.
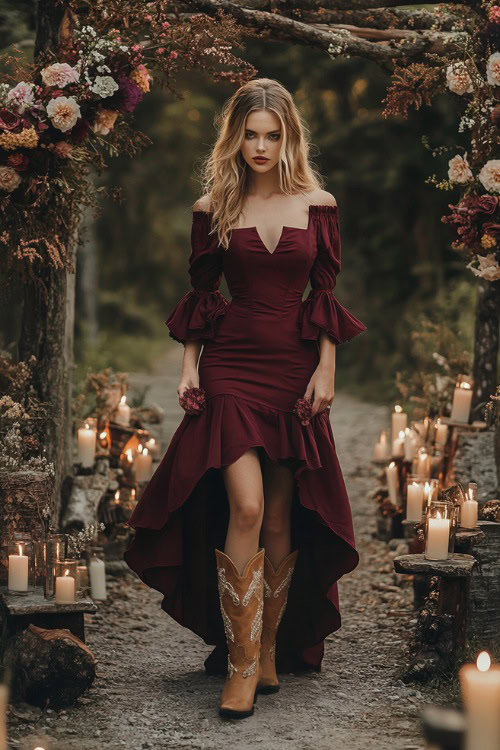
point(303, 409)
point(494, 14)
point(193, 400)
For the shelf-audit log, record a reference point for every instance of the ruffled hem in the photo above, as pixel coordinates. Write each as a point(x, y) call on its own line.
point(195, 316)
point(183, 513)
point(322, 311)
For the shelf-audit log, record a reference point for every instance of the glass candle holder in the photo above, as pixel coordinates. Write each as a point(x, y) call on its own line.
point(65, 574)
point(82, 578)
point(469, 508)
point(55, 547)
point(21, 573)
point(437, 530)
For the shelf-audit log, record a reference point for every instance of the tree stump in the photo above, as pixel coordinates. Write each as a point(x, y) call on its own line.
point(484, 621)
point(23, 494)
point(50, 668)
point(474, 461)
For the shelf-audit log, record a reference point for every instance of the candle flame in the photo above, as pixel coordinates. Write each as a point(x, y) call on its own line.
point(117, 495)
point(145, 452)
point(102, 435)
point(391, 465)
point(66, 572)
point(465, 385)
point(483, 661)
point(398, 408)
point(438, 515)
point(129, 455)
point(415, 484)
point(87, 426)
point(123, 399)
point(401, 434)
point(20, 547)
point(139, 448)
point(152, 441)
point(132, 493)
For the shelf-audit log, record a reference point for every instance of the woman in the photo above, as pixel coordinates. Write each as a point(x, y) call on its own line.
point(246, 523)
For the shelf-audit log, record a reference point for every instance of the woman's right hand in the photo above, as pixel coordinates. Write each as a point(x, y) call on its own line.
point(189, 379)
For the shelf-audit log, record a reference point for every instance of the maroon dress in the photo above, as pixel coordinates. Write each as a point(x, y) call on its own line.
point(259, 353)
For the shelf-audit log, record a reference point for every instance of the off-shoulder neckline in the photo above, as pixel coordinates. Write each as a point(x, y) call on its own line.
point(316, 207)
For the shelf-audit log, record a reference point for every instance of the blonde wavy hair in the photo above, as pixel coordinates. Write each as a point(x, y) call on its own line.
point(224, 172)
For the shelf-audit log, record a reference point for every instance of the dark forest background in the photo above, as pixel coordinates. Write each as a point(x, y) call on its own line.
point(398, 269)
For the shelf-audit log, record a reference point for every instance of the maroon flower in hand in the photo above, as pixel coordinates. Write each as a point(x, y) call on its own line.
point(193, 400)
point(303, 409)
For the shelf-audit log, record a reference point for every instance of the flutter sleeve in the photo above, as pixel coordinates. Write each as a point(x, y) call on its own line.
point(195, 315)
point(321, 310)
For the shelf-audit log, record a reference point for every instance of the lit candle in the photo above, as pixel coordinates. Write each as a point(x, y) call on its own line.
point(441, 434)
point(424, 465)
point(97, 574)
point(468, 514)
point(409, 445)
point(143, 464)
point(122, 414)
point(65, 588)
point(398, 444)
point(399, 421)
point(462, 397)
point(438, 538)
point(86, 446)
point(153, 447)
point(480, 684)
point(414, 502)
point(18, 571)
point(391, 473)
point(4, 700)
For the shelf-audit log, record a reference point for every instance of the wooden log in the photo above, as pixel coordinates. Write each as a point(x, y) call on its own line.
point(86, 494)
point(23, 495)
point(474, 461)
point(456, 566)
point(484, 620)
point(49, 667)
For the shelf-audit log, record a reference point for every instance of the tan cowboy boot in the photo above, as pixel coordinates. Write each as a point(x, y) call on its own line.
point(241, 604)
point(276, 586)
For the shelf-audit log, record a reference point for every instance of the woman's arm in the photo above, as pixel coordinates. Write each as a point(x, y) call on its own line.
point(322, 383)
point(189, 370)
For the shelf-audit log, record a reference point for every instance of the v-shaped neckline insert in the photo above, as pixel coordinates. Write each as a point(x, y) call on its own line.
point(283, 228)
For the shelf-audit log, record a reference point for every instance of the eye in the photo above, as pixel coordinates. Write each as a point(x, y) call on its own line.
point(275, 136)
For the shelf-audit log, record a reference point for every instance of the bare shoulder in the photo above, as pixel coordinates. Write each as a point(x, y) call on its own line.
point(321, 198)
point(202, 204)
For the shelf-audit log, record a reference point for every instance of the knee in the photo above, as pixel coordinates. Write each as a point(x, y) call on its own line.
point(247, 515)
point(275, 522)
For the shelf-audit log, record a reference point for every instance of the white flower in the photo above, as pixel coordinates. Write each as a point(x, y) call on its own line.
point(459, 170)
point(60, 74)
point(488, 267)
point(21, 96)
point(63, 112)
point(493, 69)
point(489, 176)
point(104, 86)
point(9, 179)
point(458, 78)
point(123, 48)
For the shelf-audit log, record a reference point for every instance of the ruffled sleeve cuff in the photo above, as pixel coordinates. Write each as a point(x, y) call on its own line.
point(322, 311)
point(195, 316)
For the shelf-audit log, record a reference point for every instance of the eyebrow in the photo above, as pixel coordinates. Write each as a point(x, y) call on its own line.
point(269, 133)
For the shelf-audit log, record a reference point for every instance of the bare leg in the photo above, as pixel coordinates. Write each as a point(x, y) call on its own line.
point(243, 480)
point(276, 525)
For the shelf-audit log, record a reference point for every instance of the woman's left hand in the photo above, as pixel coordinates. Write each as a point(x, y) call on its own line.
point(322, 388)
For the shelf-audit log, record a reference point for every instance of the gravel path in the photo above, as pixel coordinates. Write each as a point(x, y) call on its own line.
point(151, 690)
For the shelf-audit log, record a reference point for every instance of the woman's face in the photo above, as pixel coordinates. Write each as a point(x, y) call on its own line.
point(262, 138)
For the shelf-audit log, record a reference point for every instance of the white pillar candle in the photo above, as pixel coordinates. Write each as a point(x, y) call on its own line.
point(410, 446)
point(398, 444)
point(65, 589)
point(462, 397)
point(97, 574)
point(122, 414)
point(143, 465)
point(4, 701)
point(441, 435)
point(468, 514)
point(480, 684)
point(399, 421)
point(86, 446)
point(424, 465)
point(18, 571)
point(391, 473)
point(380, 452)
point(438, 538)
point(414, 502)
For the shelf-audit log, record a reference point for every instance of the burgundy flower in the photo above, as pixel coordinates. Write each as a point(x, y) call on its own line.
point(479, 204)
point(491, 228)
point(18, 161)
point(127, 97)
point(303, 409)
point(79, 131)
point(193, 400)
point(8, 120)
